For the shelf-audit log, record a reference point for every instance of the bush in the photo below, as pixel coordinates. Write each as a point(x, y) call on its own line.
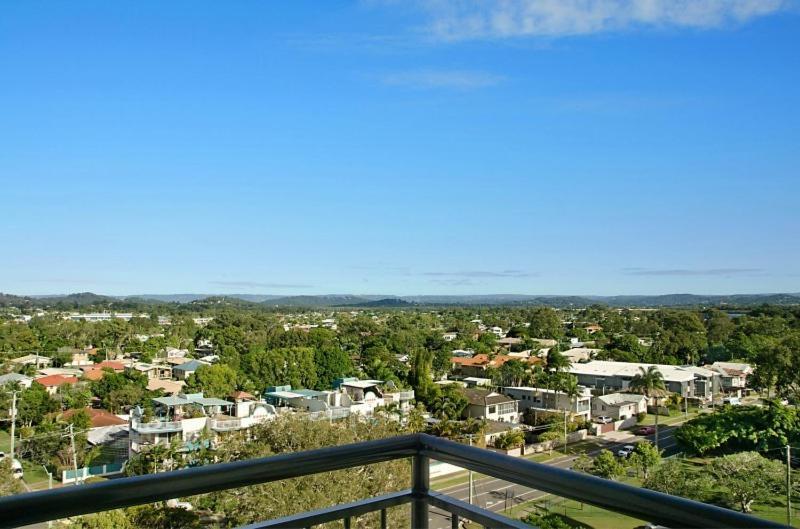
point(546, 521)
point(641, 416)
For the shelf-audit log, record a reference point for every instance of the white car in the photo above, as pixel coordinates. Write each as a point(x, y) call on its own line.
point(626, 451)
point(16, 468)
point(603, 419)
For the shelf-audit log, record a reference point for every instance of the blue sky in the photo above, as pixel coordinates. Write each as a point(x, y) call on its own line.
point(573, 147)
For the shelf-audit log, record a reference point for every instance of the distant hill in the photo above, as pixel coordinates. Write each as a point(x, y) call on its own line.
point(329, 300)
point(81, 299)
point(188, 298)
point(384, 303)
point(87, 299)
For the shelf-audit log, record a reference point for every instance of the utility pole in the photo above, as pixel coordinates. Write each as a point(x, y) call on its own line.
point(49, 486)
point(788, 485)
point(565, 432)
point(13, 420)
point(74, 454)
point(471, 483)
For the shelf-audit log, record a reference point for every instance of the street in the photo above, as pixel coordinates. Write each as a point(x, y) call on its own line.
point(496, 494)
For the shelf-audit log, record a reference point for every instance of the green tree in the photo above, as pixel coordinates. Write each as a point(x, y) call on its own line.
point(607, 466)
point(545, 323)
point(644, 458)
point(8, 483)
point(650, 383)
point(216, 380)
point(671, 476)
point(747, 477)
point(509, 440)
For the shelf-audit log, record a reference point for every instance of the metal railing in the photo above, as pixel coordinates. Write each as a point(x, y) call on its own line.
point(157, 426)
point(639, 503)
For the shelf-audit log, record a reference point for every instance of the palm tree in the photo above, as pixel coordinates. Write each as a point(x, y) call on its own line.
point(650, 383)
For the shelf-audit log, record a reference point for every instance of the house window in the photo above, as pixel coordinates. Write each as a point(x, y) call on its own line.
point(492, 409)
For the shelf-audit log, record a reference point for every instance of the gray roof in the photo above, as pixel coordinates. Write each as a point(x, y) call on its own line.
point(14, 377)
point(190, 366)
point(617, 399)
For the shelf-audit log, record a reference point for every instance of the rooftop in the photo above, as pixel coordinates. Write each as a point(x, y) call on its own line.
point(607, 368)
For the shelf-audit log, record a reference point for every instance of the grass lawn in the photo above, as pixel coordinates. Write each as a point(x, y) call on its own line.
point(5, 441)
point(675, 417)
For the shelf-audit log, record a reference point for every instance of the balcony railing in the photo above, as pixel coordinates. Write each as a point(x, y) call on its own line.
point(226, 424)
point(157, 426)
point(639, 503)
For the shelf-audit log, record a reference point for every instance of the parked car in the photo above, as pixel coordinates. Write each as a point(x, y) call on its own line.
point(626, 451)
point(733, 401)
point(645, 430)
point(16, 468)
point(603, 419)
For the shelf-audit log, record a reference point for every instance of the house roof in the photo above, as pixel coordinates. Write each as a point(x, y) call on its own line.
point(14, 377)
point(607, 368)
point(56, 380)
point(169, 386)
point(99, 418)
point(362, 384)
point(111, 364)
point(493, 427)
point(241, 395)
point(483, 397)
point(30, 359)
point(191, 365)
point(734, 368)
point(93, 373)
point(617, 399)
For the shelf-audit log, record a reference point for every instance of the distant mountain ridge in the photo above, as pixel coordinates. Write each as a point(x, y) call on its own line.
point(84, 299)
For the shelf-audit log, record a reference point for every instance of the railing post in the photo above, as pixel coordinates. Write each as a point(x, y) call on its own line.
point(420, 487)
point(384, 524)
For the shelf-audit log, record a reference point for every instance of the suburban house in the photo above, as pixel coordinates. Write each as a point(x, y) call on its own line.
point(733, 376)
point(53, 382)
point(478, 364)
point(188, 417)
point(349, 396)
point(78, 357)
point(152, 371)
point(24, 381)
point(551, 400)
point(472, 382)
point(449, 336)
point(38, 361)
point(606, 375)
point(184, 370)
point(508, 342)
point(619, 406)
point(490, 405)
point(580, 354)
point(169, 387)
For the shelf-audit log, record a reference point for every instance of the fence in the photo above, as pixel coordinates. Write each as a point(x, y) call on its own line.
point(70, 476)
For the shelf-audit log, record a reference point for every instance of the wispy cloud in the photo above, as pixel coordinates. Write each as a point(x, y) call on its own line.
point(690, 271)
point(256, 284)
point(481, 274)
point(476, 19)
point(453, 282)
point(452, 79)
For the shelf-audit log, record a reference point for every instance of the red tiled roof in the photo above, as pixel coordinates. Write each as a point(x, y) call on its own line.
point(111, 364)
point(56, 380)
point(93, 373)
point(241, 395)
point(99, 418)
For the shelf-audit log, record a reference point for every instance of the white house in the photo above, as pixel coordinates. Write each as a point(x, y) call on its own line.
point(490, 405)
point(551, 400)
point(619, 406)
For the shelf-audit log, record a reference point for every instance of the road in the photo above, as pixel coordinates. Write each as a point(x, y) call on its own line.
point(497, 494)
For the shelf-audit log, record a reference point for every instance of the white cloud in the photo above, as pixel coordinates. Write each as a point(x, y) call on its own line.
point(459, 79)
point(476, 19)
